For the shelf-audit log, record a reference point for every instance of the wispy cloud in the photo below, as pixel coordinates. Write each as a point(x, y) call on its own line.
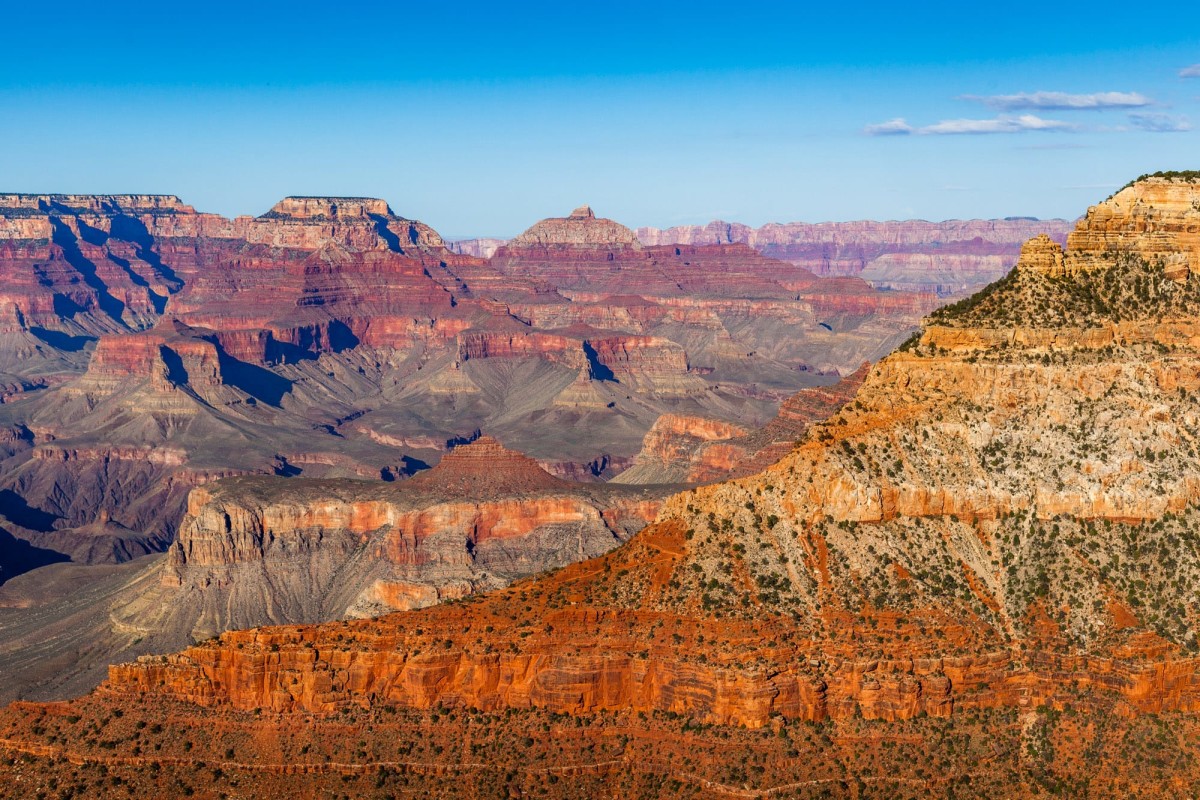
point(893, 127)
point(1054, 146)
point(1160, 123)
point(952, 127)
point(1190, 72)
point(1003, 124)
point(1061, 101)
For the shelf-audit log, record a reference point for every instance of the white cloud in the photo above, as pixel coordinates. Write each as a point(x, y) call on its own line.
point(1061, 101)
point(950, 127)
point(1190, 72)
point(1003, 124)
point(1160, 123)
point(893, 127)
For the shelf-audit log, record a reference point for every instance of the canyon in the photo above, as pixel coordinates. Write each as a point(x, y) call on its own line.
point(971, 574)
point(147, 349)
point(142, 341)
point(157, 362)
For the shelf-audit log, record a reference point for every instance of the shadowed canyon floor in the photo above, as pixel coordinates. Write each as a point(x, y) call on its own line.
point(975, 579)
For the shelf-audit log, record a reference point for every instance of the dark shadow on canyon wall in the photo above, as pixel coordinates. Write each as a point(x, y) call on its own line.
point(14, 508)
point(67, 241)
point(599, 370)
point(258, 382)
point(18, 556)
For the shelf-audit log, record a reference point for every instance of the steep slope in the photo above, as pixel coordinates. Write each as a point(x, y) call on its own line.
point(972, 580)
point(697, 450)
point(257, 550)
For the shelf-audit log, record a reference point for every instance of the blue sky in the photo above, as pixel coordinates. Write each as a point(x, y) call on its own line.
point(480, 118)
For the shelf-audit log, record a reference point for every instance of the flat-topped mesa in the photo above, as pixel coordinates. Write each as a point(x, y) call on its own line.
point(169, 356)
point(581, 229)
point(359, 223)
point(329, 208)
point(486, 467)
point(11, 204)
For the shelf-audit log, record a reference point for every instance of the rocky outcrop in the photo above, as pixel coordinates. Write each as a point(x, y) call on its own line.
point(670, 446)
point(169, 359)
point(697, 450)
point(997, 536)
point(522, 344)
point(486, 468)
point(482, 517)
point(329, 208)
point(581, 229)
point(644, 363)
point(1043, 254)
point(1158, 219)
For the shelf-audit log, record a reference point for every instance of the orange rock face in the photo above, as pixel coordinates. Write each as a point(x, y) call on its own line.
point(482, 517)
point(596, 659)
point(997, 535)
point(697, 450)
point(1156, 217)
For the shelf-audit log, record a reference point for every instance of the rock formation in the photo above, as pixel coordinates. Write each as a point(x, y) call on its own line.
point(697, 450)
point(256, 549)
point(317, 336)
point(981, 562)
point(482, 517)
point(581, 229)
point(951, 258)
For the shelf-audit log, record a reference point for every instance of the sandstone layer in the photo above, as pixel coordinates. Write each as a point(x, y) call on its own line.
point(258, 550)
point(981, 562)
point(147, 348)
point(698, 450)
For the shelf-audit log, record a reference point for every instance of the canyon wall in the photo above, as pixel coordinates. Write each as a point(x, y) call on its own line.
point(980, 532)
point(951, 258)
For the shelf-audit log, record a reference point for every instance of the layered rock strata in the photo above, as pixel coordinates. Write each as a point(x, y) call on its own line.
point(697, 450)
point(258, 550)
point(950, 258)
point(1000, 533)
point(313, 337)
